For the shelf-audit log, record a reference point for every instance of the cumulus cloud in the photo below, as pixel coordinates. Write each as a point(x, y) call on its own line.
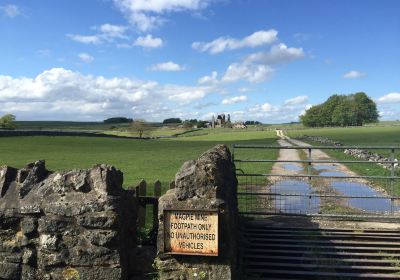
point(109, 31)
point(167, 67)
point(269, 113)
point(10, 11)
point(221, 44)
point(299, 100)
point(146, 15)
point(211, 79)
point(105, 33)
point(354, 74)
point(91, 39)
point(393, 97)
point(277, 54)
point(256, 67)
point(148, 41)
point(253, 73)
point(59, 93)
point(184, 95)
point(87, 58)
point(234, 100)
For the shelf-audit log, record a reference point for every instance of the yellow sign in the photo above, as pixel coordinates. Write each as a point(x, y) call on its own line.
point(191, 232)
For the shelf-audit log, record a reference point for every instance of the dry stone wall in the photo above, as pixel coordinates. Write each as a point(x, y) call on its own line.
point(381, 160)
point(66, 225)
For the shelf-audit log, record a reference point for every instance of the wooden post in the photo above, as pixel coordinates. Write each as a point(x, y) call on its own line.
point(142, 190)
point(157, 188)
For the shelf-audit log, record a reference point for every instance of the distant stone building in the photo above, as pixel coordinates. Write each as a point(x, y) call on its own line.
point(221, 121)
point(239, 125)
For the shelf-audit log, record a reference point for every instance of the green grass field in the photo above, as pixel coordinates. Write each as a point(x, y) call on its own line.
point(358, 136)
point(138, 159)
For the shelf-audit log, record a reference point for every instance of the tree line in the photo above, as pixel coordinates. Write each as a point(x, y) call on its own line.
point(342, 110)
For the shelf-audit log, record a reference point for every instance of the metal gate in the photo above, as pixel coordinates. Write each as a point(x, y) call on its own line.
point(315, 184)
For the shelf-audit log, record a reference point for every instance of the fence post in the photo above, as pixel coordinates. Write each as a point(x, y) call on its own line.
point(142, 190)
point(157, 188)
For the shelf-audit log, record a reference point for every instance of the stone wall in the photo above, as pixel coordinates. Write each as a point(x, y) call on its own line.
point(20, 132)
point(67, 225)
point(355, 152)
point(206, 184)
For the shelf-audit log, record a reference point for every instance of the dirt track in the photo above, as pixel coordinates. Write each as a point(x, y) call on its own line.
point(292, 154)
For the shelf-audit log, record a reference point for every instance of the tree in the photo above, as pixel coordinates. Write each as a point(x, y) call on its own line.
point(201, 124)
point(187, 125)
point(342, 110)
point(172, 120)
point(366, 109)
point(8, 122)
point(141, 127)
point(118, 120)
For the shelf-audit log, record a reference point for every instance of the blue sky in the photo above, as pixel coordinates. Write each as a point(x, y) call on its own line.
point(154, 59)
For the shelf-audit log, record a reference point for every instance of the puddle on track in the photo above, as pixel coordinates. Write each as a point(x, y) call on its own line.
point(299, 202)
point(320, 167)
point(292, 167)
point(333, 173)
point(377, 203)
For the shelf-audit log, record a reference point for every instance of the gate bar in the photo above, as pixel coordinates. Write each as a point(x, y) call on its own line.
point(317, 176)
point(314, 147)
point(318, 195)
point(314, 161)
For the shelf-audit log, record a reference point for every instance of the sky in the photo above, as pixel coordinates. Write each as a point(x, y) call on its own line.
point(264, 60)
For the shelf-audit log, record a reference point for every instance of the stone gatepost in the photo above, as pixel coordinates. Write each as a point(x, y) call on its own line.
point(198, 228)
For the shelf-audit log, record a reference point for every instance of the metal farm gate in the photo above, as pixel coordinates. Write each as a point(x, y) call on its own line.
point(314, 184)
point(305, 185)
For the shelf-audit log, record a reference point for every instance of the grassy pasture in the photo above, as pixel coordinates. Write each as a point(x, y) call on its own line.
point(147, 159)
point(64, 125)
point(358, 136)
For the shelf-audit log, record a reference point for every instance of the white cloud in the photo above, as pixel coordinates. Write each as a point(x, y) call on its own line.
point(184, 95)
point(393, 97)
point(277, 54)
point(211, 79)
point(354, 74)
point(253, 73)
point(208, 116)
point(92, 39)
point(258, 38)
point(64, 94)
point(87, 58)
point(109, 31)
point(243, 89)
point(146, 15)
point(167, 66)
point(106, 33)
point(148, 41)
point(10, 11)
point(299, 100)
point(269, 113)
point(234, 100)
